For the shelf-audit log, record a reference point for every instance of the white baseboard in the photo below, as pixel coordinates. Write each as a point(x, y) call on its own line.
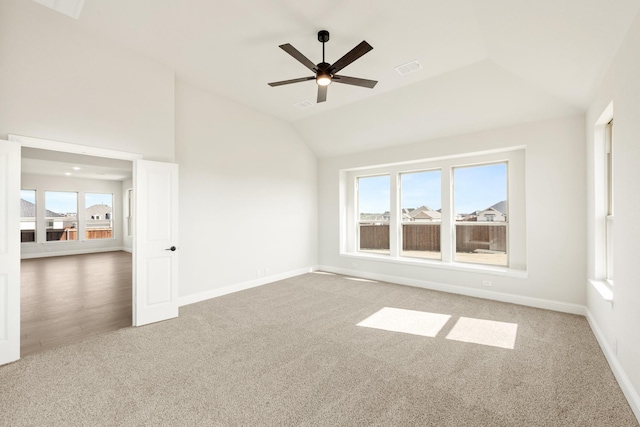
point(73, 252)
point(213, 293)
point(563, 307)
point(623, 380)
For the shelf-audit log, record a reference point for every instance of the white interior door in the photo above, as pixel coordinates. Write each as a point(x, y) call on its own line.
point(156, 242)
point(9, 251)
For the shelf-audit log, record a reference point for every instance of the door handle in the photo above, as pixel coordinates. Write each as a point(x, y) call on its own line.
point(172, 249)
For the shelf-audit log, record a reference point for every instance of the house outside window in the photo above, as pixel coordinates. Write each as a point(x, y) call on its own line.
point(98, 213)
point(477, 241)
point(421, 200)
point(61, 215)
point(28, 222)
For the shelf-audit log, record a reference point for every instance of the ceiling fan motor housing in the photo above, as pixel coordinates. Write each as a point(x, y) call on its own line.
point(323, 36)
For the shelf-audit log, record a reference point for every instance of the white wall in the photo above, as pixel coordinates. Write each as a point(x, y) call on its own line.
point(555, 155)
point(248, 182)
point(42, 183)
point(60, 84)
point(619, 323)
point(248, 194)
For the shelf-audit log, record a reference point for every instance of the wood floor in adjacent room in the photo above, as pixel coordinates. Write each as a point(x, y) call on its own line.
point(69, 298)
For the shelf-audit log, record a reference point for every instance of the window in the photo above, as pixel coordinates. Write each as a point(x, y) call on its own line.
point(27, 216)
point(609, 201)
point(458, 212)
point(480, 200)
point(373, 214)
point(61, 215)
point(98, 210)
point(129, 202)
point(421, 214)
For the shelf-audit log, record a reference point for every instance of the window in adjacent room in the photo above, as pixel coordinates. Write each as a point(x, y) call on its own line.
point(421, 214)
point(98, 212)
point(374, 207)
point(61, 215)
point(27, 216)
point(481, 217)
point(129, 211)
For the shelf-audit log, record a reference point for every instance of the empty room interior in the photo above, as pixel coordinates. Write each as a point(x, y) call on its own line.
point(329, 213)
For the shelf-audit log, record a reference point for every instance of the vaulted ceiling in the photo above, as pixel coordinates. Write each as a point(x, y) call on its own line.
point(485, 63)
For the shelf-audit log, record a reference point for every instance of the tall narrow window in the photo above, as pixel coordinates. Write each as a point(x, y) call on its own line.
point(98, 215)
point(27, 216)
point(374, 208)
point(129, 212)
point(421, 214)
point(61, 217)
point(481, 217)
point(609, 201)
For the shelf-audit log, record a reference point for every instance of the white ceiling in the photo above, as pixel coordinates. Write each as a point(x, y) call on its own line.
point(56, 163)
point(486, 63)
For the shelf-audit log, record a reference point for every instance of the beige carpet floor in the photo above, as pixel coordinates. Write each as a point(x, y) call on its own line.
point(292, 353)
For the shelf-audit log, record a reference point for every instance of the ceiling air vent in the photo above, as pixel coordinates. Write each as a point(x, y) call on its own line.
point(70, 8)
point(303, 104)
point(409, 67)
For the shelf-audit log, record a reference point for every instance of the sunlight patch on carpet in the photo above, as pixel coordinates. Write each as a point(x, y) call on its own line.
point(406, 321)
point(359, 279)
point(485, 332)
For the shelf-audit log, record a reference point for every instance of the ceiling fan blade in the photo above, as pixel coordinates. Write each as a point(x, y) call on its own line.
point(350, 56)
point(354, 81)
point(322, 93)
point(286, 82)
point(300, 57)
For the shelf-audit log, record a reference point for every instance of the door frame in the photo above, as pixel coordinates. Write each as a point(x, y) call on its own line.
point(65, 147)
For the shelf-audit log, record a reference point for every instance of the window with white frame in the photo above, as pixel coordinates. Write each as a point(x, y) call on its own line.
point(373, 214)
point(420, 210)
point(129, 212)
point(61, 215)
point(453, 211)
point(480, 201)
point(609, 201)
point(98, 213)
point(28, 221)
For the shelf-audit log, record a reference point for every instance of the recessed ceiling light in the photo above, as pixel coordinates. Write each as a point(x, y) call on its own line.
point(76, 168)
point(409, 67)
point(67, 173)
point(70, 8)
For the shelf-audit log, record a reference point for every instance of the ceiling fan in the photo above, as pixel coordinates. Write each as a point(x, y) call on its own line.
point(326, 73)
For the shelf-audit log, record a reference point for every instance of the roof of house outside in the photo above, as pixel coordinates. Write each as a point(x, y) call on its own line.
point(28, 210)
point(99, 209)
point(425, 212)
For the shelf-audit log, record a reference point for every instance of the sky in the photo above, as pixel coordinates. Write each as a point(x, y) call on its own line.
point(475, 188)
point(66, 201)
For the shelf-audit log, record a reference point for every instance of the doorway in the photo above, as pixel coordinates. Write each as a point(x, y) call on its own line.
point(154, 236)
point(76, 244)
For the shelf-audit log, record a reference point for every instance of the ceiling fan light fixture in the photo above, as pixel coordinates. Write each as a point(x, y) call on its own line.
point(323, 79)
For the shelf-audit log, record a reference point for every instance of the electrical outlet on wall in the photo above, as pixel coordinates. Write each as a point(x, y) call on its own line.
point(486, 283)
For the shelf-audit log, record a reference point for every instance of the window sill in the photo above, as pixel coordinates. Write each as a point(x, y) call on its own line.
point(604, 288)
point(455, 266)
